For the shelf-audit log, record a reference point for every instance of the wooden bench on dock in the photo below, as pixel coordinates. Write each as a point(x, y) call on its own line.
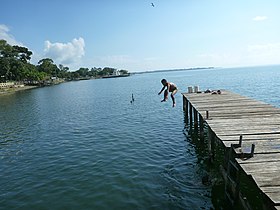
point(250, 127)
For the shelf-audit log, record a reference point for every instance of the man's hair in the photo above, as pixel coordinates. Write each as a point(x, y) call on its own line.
point(163, 81)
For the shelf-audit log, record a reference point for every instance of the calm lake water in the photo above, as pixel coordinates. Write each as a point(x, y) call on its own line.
point(83, 145)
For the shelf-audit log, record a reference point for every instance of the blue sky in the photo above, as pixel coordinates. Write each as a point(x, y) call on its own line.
point(133, 35)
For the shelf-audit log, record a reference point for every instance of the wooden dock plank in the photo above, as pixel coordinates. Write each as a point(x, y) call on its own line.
point(232, 115)
point(268, 179)
point(266, 176)
point(221, 133)
point(260, 158)
point(247, 121)
point(260, 146)
point(247, 128)
point(243, 103)
point(273, 194)
point(238, 116)
point(271, 136)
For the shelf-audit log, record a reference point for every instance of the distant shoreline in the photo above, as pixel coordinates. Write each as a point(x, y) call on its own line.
point(12, 90)
point(115, 76)
point(168, 70)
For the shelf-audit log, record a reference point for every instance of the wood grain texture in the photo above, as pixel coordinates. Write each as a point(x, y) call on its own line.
point(232, 115)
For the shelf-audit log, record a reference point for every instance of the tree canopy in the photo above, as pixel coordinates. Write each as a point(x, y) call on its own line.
point(15, 66)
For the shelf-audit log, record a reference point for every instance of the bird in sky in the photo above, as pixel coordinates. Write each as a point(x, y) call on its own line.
point(152, 4)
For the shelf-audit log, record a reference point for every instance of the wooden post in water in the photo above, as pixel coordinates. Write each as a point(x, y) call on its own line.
point(232, 181)
point(184, 103)
point(191, 114)
point(186, 109)
point(211, 144)
point(201, 127)
point(195, 118)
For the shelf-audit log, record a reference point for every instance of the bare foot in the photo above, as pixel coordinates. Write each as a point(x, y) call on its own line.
point(163, 100)
point(174, 105)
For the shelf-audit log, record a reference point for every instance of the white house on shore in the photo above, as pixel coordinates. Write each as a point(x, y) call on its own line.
point(116, 72)
point(6, 84)
point(10, 85)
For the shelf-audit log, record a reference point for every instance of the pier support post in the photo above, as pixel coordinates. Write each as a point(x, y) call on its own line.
point(211, 143)
point(195, 118)
point(232, 181)
point(187, 109)
point(184, 103)
point(201, 127)
point(191, 114)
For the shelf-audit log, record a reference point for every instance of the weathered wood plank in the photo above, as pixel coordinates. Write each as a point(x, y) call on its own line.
point(220, 105)
point(260, 158)
point(271, 136)
point(242, 110)
point(265, 174)
point(260, 146)
point(242, 128)
point(237, 116)
point(273, 194)
point(232, 115)
point(246, 121)
point(243, 131)
point(264, 169)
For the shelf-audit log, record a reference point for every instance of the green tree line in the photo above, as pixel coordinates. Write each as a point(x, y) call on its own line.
point(15, 66)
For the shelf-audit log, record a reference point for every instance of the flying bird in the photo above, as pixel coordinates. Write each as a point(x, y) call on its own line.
point(152, 4)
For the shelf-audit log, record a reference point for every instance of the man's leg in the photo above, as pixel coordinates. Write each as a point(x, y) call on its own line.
point(173, 98)
point(165, 95)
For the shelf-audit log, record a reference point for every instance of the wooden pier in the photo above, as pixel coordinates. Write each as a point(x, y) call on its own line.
point(249, 131)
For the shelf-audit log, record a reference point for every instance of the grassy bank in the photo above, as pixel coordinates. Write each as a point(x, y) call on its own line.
point(11, 90)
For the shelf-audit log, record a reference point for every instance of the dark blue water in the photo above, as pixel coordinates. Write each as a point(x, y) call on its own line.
point(83, 145)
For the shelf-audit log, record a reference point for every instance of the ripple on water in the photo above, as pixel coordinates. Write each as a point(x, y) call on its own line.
point(73, 146)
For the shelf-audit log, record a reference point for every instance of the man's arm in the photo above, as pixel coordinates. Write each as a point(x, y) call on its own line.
point(161, 90)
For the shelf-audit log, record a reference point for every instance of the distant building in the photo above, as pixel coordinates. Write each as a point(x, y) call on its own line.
point(116, 72)
point(7, 84)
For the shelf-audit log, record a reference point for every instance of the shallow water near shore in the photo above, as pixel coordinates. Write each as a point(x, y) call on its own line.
point(12, 90)
point(84, 145)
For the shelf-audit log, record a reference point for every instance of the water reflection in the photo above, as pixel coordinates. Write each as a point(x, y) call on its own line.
point(85, 143)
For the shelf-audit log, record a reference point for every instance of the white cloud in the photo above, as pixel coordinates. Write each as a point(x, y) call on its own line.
point(271, 47)
point(251, 55)
point(4, 34)
point(126, 62)
point(264, 53)
point(65, 53)
point(214, 59)
point(259, 18)
point(115, 61)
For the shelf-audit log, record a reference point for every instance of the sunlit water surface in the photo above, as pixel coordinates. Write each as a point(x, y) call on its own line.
point(84, 145)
